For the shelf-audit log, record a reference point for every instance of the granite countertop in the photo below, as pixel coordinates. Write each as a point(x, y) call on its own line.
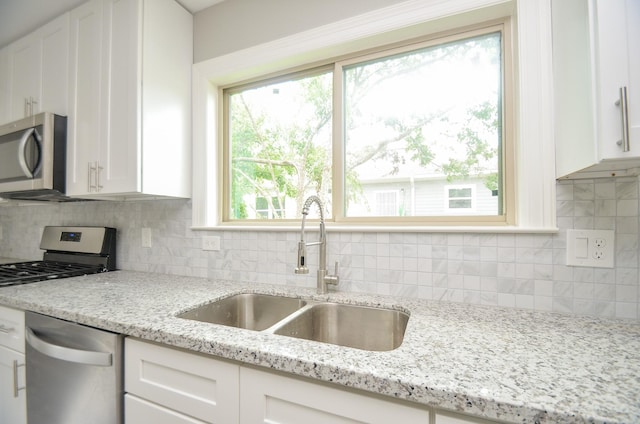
point(506, 364)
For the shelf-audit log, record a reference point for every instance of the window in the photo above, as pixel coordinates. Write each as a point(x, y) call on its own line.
point(269, 210)
point(387, 203)
point(375, 136)
point(459, 198)
point(529, 183)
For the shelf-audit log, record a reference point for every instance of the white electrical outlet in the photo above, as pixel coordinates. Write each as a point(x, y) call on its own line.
point(146, 237)
point(594, 248)
point(211, 243)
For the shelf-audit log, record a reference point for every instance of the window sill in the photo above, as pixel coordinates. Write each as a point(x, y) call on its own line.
point(337, 228)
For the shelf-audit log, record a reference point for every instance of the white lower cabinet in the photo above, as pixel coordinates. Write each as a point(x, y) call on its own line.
point(175, 383)
point(142, 411)
point(166, 385)
point(13, 398)
point(271, 398)
point(451, 418)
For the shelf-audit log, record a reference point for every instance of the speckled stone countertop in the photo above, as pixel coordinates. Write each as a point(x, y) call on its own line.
point(506, 364)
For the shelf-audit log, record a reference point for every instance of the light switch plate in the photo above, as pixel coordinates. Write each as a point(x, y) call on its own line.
point(592, 248)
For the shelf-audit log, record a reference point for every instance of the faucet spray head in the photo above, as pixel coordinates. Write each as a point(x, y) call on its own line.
point(302, 258)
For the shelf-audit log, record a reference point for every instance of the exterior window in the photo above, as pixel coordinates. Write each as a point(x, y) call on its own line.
point(376, 136)
point(387, 203)
point(269, 210)
point(459, 199)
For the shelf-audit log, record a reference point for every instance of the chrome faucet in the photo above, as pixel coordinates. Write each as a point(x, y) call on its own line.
point(324, 278)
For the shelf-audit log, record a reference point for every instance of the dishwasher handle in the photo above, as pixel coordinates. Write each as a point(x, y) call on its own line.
point(87, 357)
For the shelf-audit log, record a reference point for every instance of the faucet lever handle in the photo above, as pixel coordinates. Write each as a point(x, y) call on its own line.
point(333, 279)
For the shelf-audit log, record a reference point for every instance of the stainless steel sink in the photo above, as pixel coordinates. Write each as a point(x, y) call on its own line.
point(359, 327)
point(250, 311)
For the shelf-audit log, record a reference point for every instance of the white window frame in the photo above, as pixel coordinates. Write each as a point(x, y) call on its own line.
point(535, 174)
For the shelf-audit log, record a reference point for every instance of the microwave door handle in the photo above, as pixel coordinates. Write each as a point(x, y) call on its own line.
point(87, 357)
point(22, 151)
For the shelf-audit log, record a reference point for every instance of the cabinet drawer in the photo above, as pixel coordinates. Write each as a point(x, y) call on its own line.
point(12, 328)
point(273, 398)
point(452, 418)
point(193, 384)
point(140, 411)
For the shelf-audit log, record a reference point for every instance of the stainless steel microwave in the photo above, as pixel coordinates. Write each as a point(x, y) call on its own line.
point(33, 158)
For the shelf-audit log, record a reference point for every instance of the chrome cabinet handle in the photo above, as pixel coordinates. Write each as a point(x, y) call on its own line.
point(32, 102)
point(98, 172)
point(16, 387)
point(624, 115)
point(91, 171)
point(87, 357)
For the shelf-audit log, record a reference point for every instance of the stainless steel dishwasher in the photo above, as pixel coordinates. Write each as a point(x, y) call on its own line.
point(74, 373)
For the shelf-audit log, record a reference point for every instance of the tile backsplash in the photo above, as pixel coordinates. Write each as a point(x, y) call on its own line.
point(513, 270)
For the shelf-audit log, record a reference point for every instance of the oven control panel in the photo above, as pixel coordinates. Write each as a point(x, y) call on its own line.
point(77, 239)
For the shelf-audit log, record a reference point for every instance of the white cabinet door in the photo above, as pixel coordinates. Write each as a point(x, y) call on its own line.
point(166, 97)
point(188, 383)
point(595, 46)
point(13, 403)
point(12, 329)
point(139, 411)
point(54, 92)
point(85, 74)
point(618, 50)
point(25, 62)
point(119, 152)
point(38, 70)
point(271, 398)
point(5, 96)
point(452, 418)
point(13, 399)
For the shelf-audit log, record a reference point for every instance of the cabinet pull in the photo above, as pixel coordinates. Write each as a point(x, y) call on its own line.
point(624, 115)
point(16, 387)
point(90, 171)
point(6, 330)
point(98, 172)
point(32, 102)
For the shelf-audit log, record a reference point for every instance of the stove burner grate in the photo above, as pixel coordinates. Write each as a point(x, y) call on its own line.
point(31, 272)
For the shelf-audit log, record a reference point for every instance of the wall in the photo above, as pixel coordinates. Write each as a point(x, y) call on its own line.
point(238, 24)
point(513, 270)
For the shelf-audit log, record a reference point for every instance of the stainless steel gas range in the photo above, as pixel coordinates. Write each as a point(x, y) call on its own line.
point(69, 252)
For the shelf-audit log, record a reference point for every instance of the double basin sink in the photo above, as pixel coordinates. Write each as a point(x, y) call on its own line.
point(360, 327)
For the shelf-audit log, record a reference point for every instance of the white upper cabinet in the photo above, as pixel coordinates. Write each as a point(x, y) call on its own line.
point(597, 87)
point(83, 122)
point(5, 101)
point(129, 128)
point(34, 72)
